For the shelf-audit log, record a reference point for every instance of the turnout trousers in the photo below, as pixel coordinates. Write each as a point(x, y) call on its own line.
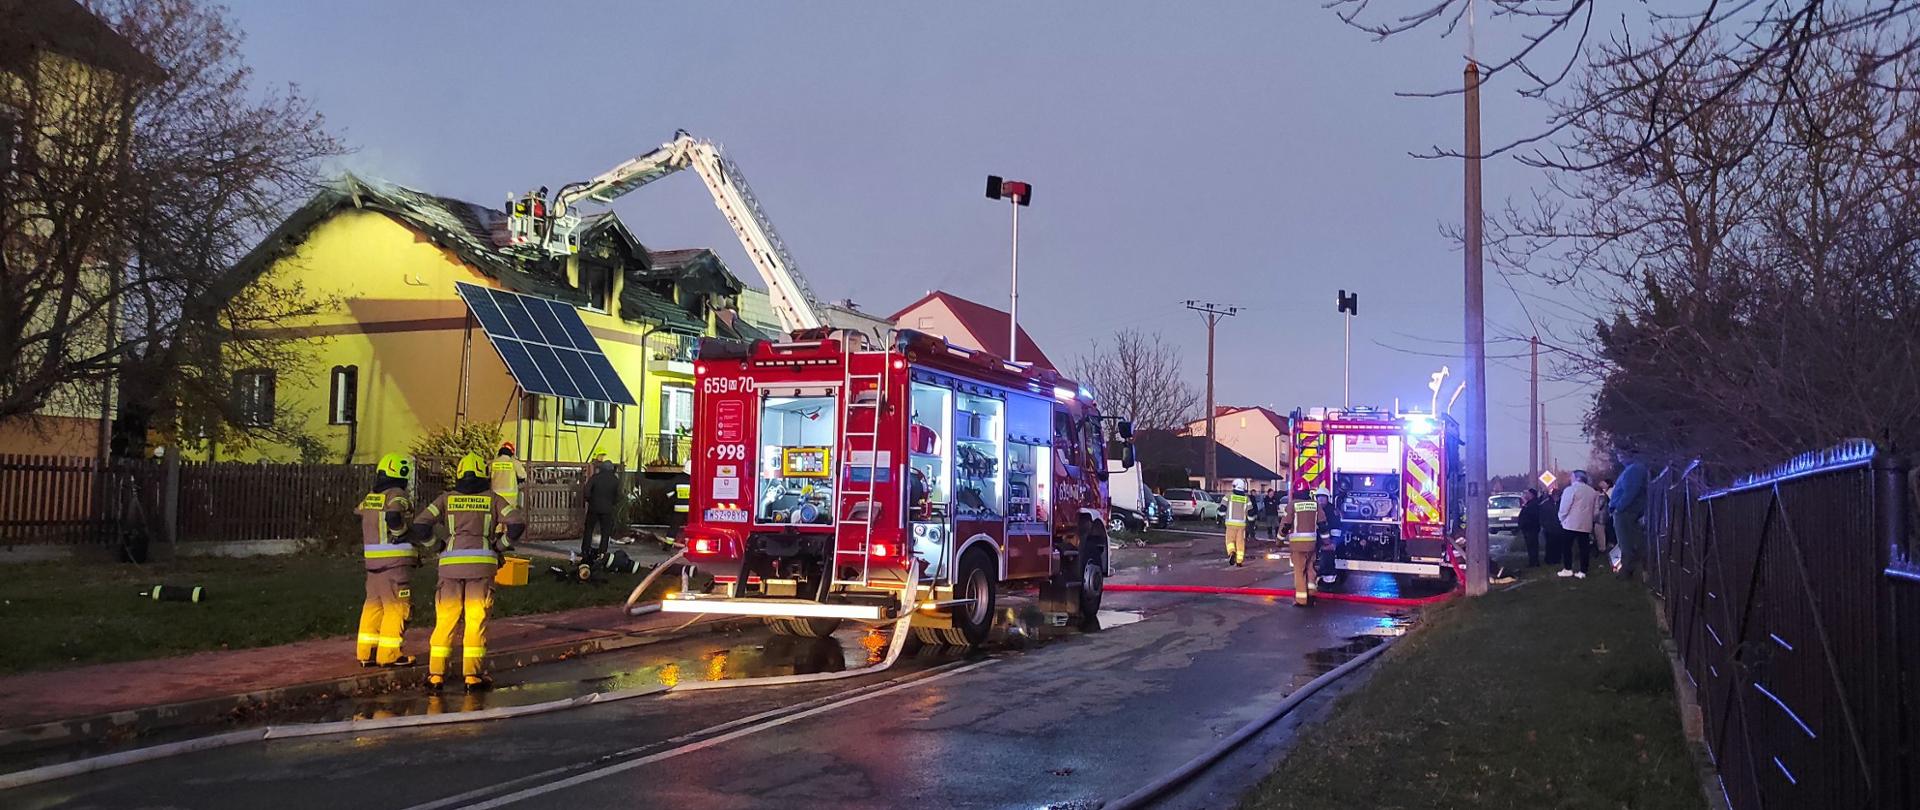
point(383, 616)
point(1301, 548)
point(461, 603)
point(1237, 544)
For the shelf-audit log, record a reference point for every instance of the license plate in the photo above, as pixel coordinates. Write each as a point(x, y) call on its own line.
point(726, 515)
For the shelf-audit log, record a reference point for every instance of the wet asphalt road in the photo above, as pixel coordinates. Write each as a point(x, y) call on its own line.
point(1049, 718)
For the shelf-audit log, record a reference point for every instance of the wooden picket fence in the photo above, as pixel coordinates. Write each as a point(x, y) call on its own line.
point(73, 501)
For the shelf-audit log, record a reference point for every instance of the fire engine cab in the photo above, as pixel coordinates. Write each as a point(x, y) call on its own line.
point(1393, 478)
point(826, 472)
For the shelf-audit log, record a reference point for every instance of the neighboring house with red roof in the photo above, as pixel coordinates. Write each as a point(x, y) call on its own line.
point(1255, 432)
point(968, 323)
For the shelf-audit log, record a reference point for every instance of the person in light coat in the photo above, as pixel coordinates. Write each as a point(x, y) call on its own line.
point(1579, 508)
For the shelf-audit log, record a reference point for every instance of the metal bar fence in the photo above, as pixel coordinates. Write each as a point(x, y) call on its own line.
point(1794, 620)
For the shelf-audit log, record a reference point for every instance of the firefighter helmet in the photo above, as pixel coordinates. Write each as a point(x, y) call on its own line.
point(1321, 492)
point(471, 464)
point(395, 465)
point(506, 448)
point(1239, 485)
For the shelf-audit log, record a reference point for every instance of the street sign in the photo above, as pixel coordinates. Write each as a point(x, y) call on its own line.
point(1547, 478)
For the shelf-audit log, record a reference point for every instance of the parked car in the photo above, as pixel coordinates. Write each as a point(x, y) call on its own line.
point(1503, 511)
point(1121, 519)
point(1193, 503)
point(1159, 512)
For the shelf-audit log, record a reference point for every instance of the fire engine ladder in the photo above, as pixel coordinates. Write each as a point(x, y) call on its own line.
point(864, 395)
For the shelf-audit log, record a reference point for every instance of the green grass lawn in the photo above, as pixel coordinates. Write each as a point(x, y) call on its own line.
point(1556, 694)
point(68, 614)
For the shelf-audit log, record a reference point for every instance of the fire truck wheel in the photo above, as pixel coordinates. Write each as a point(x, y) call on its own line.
point(803, 626)
point(971, 621)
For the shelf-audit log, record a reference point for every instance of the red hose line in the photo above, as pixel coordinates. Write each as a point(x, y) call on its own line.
point(1287, 593)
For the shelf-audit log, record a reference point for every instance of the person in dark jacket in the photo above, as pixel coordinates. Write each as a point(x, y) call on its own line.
point(602, 492)
point(1530, 526)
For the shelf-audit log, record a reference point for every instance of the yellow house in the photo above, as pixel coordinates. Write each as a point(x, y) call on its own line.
point(398, 356)
point(67, 85)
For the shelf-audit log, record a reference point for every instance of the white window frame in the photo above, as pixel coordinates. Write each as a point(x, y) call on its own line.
point(668, 395)
point(598, 414)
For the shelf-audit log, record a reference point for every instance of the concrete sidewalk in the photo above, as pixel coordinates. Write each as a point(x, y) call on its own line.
point(46, 709)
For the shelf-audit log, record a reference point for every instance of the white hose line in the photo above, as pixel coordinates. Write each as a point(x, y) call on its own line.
point(91, 764)
point(651, 576)
point(78, 767)
point(1157, 788)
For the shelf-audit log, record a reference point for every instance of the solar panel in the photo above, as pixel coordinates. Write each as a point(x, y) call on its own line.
point(546, 347)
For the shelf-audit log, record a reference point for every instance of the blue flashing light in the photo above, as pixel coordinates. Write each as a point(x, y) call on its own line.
point(1419, 425)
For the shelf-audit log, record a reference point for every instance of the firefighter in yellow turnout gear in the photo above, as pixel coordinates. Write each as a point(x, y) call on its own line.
point(1303, 538)
point(1237, 508)
point(390, 561)
point(508, 474)
point(474, 515)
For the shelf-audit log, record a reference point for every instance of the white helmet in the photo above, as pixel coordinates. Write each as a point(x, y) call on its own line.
point(1321, 492)
point(1239, 485)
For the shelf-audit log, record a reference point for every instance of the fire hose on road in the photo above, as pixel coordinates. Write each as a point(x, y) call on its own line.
point(1460, 579)
point(901, 629)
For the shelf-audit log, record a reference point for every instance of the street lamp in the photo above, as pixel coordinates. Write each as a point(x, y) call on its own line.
point(1020, 194)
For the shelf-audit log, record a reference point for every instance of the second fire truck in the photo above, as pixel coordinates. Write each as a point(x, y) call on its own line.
point(1394, 480)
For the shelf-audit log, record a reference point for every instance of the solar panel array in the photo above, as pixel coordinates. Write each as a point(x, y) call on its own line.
point(545, 345)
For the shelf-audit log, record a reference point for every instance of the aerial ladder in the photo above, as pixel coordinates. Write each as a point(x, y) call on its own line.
point(539, 228)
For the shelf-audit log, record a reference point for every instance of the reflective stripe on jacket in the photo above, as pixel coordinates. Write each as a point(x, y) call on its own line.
point(385, 547)
point(472, 521)
point(1237, 505)
point(682, 493)
point(390, 551)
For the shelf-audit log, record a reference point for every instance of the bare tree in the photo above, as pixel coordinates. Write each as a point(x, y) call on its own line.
point(1139, 378)
point(1759, 263)
point(141, 190)
point(1756, 48)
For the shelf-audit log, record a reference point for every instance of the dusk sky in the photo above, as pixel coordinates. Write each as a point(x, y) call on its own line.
point(1248, 154)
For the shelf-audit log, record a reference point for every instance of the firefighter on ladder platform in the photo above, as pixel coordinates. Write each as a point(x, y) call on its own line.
point(1309, 519)
point(1238, 506)
point(474, 515)
point(390, 561)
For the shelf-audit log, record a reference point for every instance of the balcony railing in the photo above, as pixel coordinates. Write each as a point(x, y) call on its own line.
point(671, 353)
point(666, 449)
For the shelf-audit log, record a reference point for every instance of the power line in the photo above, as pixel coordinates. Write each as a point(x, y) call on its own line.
point(1214, 313)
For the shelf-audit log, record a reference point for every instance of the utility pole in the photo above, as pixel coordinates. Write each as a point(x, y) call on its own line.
point(1476, 428)
point(1533, 412)
point(1213, 313)
point(1019, 194)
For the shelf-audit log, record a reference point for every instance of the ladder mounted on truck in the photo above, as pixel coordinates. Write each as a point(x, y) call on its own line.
point(856, 508)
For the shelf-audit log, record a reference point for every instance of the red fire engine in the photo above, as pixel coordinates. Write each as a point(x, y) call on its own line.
point(822, 467)
point(1393, 479)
